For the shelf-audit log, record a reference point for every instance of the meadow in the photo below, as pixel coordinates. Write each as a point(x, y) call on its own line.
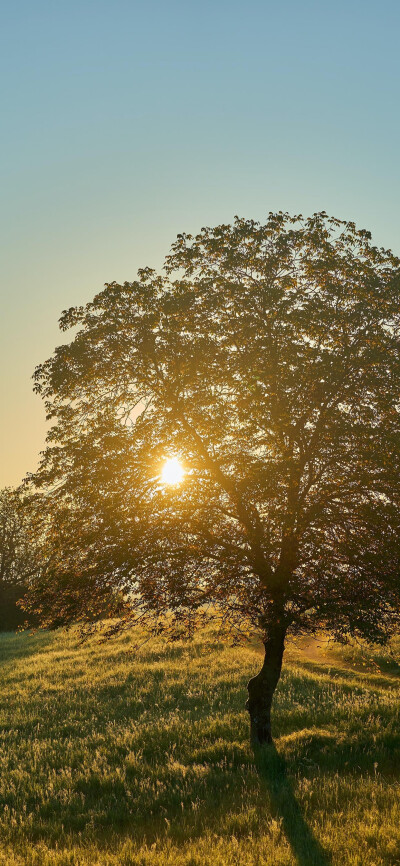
point(114, 756)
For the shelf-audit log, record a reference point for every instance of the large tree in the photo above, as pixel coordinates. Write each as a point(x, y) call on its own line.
point(266, 358)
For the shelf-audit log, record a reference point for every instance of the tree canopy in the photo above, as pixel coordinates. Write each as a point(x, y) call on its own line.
point(266, 358)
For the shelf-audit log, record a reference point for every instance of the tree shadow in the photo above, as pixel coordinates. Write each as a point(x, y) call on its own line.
point(272, 769)
point(16, 645)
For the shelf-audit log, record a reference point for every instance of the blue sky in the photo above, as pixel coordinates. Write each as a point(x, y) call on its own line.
point(125, 123)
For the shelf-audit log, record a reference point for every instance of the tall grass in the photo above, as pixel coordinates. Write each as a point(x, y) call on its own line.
point(113, 757)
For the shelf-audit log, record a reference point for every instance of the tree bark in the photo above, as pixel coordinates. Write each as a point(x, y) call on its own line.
point(261, 687)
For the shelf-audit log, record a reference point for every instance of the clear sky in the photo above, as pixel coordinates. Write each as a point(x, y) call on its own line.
point(125, 122)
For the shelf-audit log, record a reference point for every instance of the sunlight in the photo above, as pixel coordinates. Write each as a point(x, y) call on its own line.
point(172, 472)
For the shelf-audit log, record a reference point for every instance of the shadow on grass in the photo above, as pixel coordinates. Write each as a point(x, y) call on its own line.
point(381, 676)
point(359, 755)
point(17, 645)
point(272, 769)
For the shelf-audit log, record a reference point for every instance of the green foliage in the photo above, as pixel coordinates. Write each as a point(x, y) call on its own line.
point(117, 757)
point(267, 358)
point(17, 557)
point(11, 615)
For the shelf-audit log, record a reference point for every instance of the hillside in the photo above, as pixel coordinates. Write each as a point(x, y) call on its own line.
point(113, 757)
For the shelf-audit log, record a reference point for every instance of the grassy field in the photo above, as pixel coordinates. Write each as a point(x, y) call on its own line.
point(113, 757)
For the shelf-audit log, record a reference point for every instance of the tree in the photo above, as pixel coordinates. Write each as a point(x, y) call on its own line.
point(266, 358)
point(16, 557)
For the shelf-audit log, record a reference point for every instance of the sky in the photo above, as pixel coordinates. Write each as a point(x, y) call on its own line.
point(125, 123)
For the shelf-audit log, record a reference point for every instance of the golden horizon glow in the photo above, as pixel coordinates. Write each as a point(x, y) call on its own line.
point(172, 472)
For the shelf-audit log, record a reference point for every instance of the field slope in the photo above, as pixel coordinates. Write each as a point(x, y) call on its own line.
point(113, 757)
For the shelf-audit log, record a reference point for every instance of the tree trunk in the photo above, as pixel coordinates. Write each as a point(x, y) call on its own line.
point(261, 687)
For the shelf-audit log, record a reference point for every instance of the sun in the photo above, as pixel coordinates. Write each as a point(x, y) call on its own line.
point(172, 472)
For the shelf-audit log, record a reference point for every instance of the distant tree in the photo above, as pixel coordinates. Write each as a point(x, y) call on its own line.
point(267, 359)
point(15, 558)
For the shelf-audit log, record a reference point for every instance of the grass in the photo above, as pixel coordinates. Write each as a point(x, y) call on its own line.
point(118, 758)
